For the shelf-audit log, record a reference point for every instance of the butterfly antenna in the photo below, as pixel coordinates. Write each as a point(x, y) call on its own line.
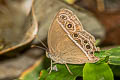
point(41, 42)
point(33, 46)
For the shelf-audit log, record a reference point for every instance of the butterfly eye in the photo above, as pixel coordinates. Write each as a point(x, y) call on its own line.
point(69, 25)
point(88, 46)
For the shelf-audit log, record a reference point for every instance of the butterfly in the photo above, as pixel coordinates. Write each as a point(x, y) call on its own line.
point(68, 42)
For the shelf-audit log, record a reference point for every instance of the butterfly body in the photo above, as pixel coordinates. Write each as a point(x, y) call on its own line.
point(68, 42)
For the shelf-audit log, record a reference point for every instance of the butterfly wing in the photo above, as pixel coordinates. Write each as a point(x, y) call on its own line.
point(68, 42)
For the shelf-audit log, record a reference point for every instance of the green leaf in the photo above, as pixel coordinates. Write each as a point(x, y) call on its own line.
point(63, 73)
point(101, 54)
point(97, 72)
point(113, 54)
point(43, 74)
point(114, 57)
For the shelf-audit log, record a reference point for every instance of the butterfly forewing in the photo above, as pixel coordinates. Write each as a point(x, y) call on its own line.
point(68, 42)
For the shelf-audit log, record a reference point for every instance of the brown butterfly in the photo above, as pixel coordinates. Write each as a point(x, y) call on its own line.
point(68, 42)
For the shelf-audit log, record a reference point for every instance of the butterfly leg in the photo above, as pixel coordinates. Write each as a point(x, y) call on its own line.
point(68, 69)
point(50, 67)
point(54, 62)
